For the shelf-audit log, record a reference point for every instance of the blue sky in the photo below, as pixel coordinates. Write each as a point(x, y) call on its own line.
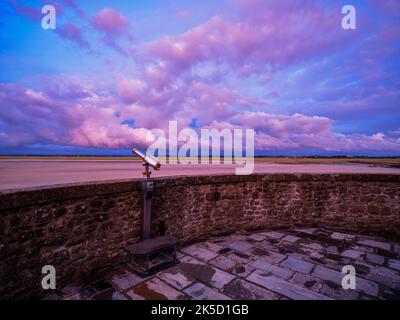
point(114, 69)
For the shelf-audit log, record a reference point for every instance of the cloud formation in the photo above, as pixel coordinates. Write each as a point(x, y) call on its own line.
point(113, 25)
point(81, 117)
point(284, 68)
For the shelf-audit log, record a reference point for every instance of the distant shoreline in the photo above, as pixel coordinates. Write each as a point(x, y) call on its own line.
point(373, 161)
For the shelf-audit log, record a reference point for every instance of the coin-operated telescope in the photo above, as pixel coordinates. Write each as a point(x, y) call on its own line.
point(148, 161)
point(151, 254)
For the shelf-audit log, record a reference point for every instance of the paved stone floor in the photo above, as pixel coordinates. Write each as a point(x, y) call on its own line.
point(302, 263)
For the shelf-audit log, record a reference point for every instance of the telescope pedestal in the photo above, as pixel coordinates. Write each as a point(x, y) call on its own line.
point(153, 255)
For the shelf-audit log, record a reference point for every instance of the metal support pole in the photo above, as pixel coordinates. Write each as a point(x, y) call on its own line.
point(147, 188)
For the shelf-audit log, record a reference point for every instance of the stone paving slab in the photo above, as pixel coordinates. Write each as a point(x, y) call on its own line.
point(239, 257)
point(240, 289)
point(306, 281)
point(353, 254)
point(375, 244)
point(200, 252)
point(241, 246)
point(290, 238)
point(214, 247)
point(125, 279)
point(297, 265)
point(374, 258)
point(366, 286)
point(176, 278)
point(256, 237)
point(301, 263)
point(223, 263)
point(394, 264)
point(324, 273)
point(274, 234)
point(156, 289)
point(339, 293)
point(221, 278)
point(199, 291)
point(342, 236)
point(243, 270)
point(272, 269)
point(268, 255)
point(309, 231)
point(384, 275)
point(285, 288)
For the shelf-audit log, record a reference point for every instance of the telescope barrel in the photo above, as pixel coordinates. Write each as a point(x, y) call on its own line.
point(138, 153)
point(148, 159)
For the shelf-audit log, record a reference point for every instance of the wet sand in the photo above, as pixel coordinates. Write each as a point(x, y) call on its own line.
point(23, 173)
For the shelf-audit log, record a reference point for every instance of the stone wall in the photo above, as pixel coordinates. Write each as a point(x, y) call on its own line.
point(82, 229)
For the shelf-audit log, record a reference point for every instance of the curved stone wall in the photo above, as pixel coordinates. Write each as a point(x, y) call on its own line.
point(81, 229)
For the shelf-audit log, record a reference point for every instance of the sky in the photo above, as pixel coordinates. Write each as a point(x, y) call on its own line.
point(112, 70)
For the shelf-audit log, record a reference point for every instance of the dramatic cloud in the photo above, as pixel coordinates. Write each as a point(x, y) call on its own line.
point(88, 120)
point(274, 37)
point(74, 115)
point(284, 68)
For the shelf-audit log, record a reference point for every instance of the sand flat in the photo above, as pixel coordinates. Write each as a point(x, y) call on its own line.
point(22, 173)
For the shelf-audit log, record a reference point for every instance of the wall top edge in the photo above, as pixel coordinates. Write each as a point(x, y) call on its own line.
point(45, 194)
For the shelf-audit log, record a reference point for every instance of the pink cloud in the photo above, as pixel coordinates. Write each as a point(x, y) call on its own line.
point(283, 125)
point(30, 116)
point(130, 90)
point(261, 37)
point(114, 26)
point(200, 75)
point(35, 117)
point(110, 21)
